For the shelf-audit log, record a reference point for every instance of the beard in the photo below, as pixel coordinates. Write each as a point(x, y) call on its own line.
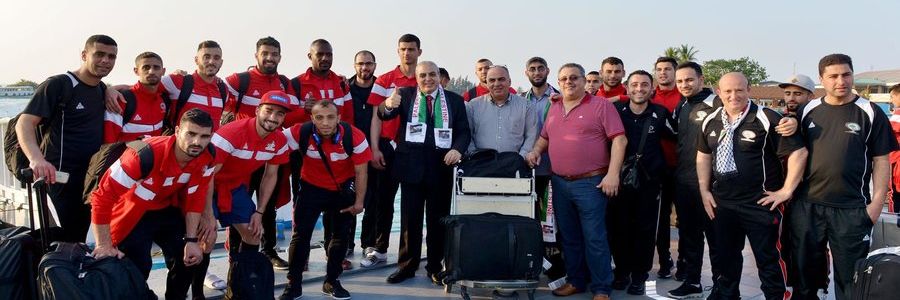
point(537, 83)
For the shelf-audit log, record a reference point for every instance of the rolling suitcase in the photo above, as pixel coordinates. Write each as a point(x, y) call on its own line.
point(877, 276)
point(69, 272)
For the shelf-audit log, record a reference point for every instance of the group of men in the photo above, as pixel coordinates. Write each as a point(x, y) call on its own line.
point(332, 146)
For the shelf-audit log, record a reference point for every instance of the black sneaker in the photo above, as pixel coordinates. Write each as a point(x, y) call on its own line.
point(277, 262)
point(291, 293)
point(679, 275)
point(335, 290)
point(665, 269)
point(687, 290)
point(637, 288)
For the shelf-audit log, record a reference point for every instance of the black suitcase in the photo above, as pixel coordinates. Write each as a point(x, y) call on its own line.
point(886, 232)
point(877, 277)
point(250, 277)
point(492, 246)
point(69, 272)
point(21, 247)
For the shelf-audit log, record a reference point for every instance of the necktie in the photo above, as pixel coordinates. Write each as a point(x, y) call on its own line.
point(430, 101)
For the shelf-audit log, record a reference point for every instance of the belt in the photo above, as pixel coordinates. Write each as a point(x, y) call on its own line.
point(600, 171)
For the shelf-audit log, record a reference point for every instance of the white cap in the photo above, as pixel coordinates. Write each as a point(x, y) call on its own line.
point(801, 81)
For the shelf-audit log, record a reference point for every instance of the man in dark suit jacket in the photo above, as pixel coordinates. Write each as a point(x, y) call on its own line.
point(433, 135)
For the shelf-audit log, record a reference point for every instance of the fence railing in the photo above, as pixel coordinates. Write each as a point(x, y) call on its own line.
point(13, 197)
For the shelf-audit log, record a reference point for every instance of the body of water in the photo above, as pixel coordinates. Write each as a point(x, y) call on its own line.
point(10, 107)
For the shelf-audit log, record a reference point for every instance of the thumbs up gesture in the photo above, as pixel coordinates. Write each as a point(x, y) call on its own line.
point(393, 101)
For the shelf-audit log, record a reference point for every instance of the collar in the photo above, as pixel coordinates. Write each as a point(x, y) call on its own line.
point(619, 89)
point(353, 80)
point(399, 73)
point(661, 91)
point(255, 71)
point(140, 89)
point(311, 75)
point(199, 80)
point(433, 93)
point(547, 92)
point(896, 111)
point(749, 113)
point(509, 98)
point(251, 126)
point(587, 99)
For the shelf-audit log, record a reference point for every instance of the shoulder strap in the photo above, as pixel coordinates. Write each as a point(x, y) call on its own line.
point(644, 134)
point(303, 140)
point(187, 88)
point(130, 106)
point(285, 82)
point(223, 91)
point(243, 85)
point(472, 93)
point(145, 155)
point(344, 87)
point(347, 138)
point(295, 84)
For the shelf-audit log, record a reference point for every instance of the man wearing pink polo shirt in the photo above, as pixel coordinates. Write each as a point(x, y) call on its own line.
point(585, 172)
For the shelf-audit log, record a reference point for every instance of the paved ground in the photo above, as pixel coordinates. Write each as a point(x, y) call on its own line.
point(369, 283)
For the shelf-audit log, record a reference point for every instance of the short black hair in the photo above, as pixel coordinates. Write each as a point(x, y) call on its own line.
point(325, 103)
point(612, 60)
point(666, 59)
point(536, 59)
point(689, 64)
point(99, 38)
point(319, 42)
point(366, 52)
point(208, 44)
point(834, 59)
point(444, 73)
point(481, 60)
point(640, 72)
point(268, 41)
point(895, 89)
point(147, 54)
point(197, 116)
point(410, 38)
point(593, 73)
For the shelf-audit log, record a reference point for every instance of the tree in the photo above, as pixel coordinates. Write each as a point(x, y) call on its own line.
point(682, 53)
point(25, 82)
point(459, 85)
point(714, 69)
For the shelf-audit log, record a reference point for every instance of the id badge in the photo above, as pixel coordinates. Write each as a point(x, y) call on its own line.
point(415, 132)
point(443, 138)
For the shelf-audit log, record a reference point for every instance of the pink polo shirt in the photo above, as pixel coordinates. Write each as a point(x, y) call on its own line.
point(579, 141)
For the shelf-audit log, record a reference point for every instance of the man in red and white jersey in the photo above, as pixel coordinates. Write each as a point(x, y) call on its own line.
point(612, 70)
point(481, 69)
point(320, 83)
point(243, 99)
point(895, 156)
point(204, 90)
point(382, 137)
point(668, 96)
point(242, 146)
point(146, 116)
point(335, 187)
point(131, 211)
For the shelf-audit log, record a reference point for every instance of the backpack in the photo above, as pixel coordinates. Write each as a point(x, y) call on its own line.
point(69, 272)
point(250, 276)
point(243, 85)
point(15, 157)
point(187, 88)
point(107, 155)
point(306, 131)
point(473, 93)
point(490, 163)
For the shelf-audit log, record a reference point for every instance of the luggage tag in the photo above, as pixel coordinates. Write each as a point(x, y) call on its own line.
point(415, 132)
point(443, 138)
point(557, 283)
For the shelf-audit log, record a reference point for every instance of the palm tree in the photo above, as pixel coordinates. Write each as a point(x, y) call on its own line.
point(682, 53)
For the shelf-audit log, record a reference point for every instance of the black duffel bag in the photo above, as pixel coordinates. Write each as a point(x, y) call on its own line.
point(68, 272)
point(490, 163)
point(493, 246)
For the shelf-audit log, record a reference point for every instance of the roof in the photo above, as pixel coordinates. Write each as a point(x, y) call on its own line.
point(886, 76)
point(774, 92)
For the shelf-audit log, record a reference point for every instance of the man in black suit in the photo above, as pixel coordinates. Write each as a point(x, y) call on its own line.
point(434, 133)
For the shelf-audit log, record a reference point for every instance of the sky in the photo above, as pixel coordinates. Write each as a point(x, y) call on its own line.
point(43, 38)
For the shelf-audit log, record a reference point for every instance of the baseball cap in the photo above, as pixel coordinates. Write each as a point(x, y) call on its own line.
point(277, 98)
point(801, 81)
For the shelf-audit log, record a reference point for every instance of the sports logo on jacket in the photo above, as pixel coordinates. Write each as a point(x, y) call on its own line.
point(700, 116)
point(852, 128)
point(748, 136)
point(270, 146)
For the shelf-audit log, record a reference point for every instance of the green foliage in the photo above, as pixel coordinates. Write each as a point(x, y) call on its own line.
point(25, 82)
point(459, 85)
point(714, 69)
point(682, 53)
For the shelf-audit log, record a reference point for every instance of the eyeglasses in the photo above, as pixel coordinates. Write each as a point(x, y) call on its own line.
point(570, 78)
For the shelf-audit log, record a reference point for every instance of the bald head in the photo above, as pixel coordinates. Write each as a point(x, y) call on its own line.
point(734, 90)
point(428, 76)
point(734, 78)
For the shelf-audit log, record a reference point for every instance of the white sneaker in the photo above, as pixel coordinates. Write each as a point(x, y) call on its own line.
point(373, 258)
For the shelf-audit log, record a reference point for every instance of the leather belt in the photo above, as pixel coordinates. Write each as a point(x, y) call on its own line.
point(600, 171)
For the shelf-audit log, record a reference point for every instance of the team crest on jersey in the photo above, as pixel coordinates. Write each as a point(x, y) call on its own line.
point(270, 146)
point(700, 116)
point(149, 181)
point(245, 146)
point(748, 136)
point(652, 129)
point(255, 93)
point(137, 117)
point(852, 128)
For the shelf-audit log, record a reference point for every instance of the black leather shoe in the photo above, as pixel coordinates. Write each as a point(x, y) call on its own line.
point(437, 278)
point(637, 288)
point(620, 284)
point(399, 277)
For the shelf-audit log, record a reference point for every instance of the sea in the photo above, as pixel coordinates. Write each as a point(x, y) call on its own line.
point(9, 107)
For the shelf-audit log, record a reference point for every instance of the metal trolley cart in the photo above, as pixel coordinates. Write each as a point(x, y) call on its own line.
point(509, 196)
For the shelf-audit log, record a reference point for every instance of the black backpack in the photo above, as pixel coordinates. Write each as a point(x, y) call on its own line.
point(15, 157)
point(68, 272)
point(243, 85)
point(107, 155)
point(187, 88)
point(250, 276)
point(490, 163)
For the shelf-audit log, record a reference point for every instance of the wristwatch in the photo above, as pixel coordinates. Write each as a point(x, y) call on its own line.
point(191, 240)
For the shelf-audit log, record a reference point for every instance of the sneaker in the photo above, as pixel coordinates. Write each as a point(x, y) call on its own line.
point(346, 264)
point(277, 262)
point(291, 294)
point(335, 290)
point(373, 258)
point(665, 269)
point(687, 290)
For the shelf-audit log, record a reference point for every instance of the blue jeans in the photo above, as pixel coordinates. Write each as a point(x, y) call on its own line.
point(580, 209)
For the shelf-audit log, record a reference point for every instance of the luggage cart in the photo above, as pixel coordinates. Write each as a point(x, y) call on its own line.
point(510, 196)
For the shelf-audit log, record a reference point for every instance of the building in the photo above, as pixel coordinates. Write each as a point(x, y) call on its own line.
point(16, 91)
